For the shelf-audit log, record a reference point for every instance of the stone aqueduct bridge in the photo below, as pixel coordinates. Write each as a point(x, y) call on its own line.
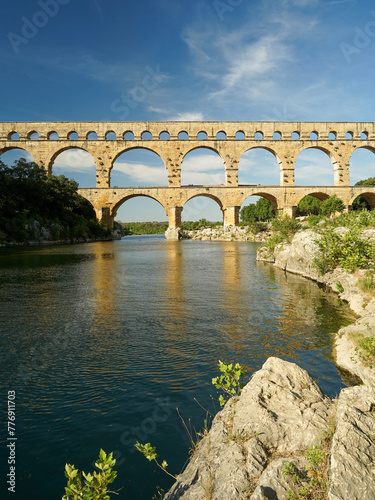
point(172, 141)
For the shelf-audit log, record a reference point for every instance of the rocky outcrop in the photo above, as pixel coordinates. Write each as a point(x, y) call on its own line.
point(226, 233)
point(280, 414)
point(298, 257)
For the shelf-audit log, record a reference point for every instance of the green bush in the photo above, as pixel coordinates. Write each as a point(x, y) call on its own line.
point(331, 205)
point(94, 486)
point(350, 251)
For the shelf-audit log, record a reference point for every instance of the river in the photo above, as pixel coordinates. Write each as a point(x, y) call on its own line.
point(101, 342)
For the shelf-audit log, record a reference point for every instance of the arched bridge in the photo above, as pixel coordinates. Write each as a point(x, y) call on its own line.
point(172, 141)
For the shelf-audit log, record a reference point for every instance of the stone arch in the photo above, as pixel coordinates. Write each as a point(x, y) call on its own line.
point(349, 135)
point(110, 135)
point(124, 199)
point(277, 135)
point(17, 148)
point(270, 197)
point(146, 135)
point(211, 173)
point(332, 135)
point(364, 135)
point(13, 136)
point(159, 173)
point(258, 136)
point(196, 206)
point(72, 135)
point(295, 136)
point(183, 135)
point(366, 163)
point(164, 135)
point(314, 135)
point(33, 135)
point(62, 150)
point(221, 135)
point(261, 178)
point(53, 133)
point(324, 150)
point(368, 196)
point(239, 135)
point(202, 135)
point(91, 136)
point(321, 196)
point(128, 135)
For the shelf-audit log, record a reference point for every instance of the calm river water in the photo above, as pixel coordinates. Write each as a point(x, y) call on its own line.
point(103, 341)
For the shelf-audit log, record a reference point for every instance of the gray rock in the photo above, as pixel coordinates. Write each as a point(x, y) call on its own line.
point(352, 458)
point(273, 484)
point(283, 406)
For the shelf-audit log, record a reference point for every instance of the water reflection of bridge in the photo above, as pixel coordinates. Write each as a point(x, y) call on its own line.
point(172, 141)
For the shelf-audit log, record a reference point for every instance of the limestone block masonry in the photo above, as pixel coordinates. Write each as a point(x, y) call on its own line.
point(172, 141)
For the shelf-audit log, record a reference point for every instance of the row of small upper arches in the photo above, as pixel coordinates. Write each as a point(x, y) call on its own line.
point(146, 136)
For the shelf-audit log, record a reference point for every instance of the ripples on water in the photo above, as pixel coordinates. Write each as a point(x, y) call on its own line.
point(103, 341)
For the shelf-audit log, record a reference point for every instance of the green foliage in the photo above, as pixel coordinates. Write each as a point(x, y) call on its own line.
point(274, 240)
point(366, 349)
point(94, 486)
point(313, 220)
point(262, 210)
point(286, 226)
point(258, 227)
point(229, 382)
point(360, 203)
point(201, 224)
point(144, 227)
point(331, 205)
point(366, 182)
point(349, 251)
point(311, 482)
point(309, 205)
point(150, 453)
point(368, 280)
point(28, 195)
point(339, 287)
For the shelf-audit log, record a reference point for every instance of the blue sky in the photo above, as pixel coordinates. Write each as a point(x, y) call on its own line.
point(298, 60)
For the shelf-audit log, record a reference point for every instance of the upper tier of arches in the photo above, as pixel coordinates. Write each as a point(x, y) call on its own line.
point(157, 131)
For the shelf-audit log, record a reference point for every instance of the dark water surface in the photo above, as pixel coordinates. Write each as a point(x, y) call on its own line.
point(103, 341)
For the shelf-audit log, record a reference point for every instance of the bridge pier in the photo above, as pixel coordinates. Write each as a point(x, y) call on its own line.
point(290, 211)
point(174, 218)
point(231, 216)
point(103, 214)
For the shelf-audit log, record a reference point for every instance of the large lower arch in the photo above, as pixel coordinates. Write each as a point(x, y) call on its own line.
point(75, 163)
point(202, 166)
point(199, 206)
point(315, 166)
point(157, 215)
point(369, 197)
point(259, 165)
point(138, 166)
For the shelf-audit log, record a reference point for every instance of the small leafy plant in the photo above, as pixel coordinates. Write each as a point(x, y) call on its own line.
point(229, 382)
point(94, 486)
point(150, 453)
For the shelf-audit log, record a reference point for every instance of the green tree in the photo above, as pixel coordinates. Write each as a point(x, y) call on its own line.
point(262, 210)
point(360, 203)
point(309, 205)
point(331, 205)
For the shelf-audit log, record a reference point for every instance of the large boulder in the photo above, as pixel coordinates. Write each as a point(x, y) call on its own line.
point(280, 414)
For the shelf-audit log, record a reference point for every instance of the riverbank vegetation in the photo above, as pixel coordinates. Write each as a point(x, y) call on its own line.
point(36, 206)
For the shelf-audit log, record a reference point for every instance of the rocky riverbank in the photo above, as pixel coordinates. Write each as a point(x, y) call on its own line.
point(226, 233)
point(283, 438)
point(298, 257)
